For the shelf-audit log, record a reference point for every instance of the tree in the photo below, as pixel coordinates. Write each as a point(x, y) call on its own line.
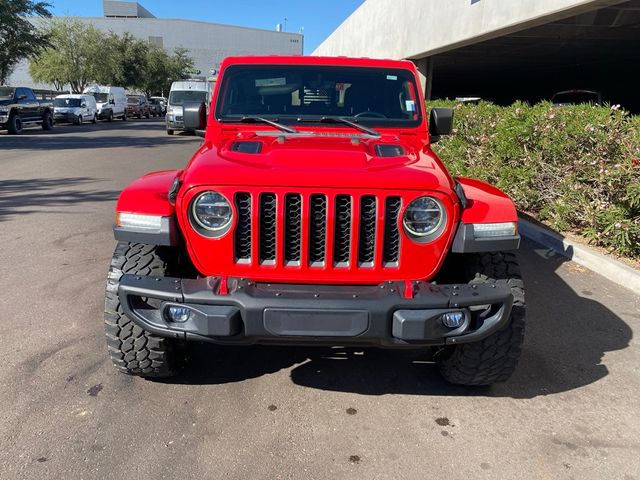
point(161, 69)
point(19, 38)
point(80, 55)
point(77, 56)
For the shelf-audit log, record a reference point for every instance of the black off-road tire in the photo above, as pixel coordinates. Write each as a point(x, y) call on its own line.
point(493, 359)
point(14, 126)
point(133, 350)
point(47, 121)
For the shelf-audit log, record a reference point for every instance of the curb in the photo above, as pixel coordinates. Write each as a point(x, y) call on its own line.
point(609, 268)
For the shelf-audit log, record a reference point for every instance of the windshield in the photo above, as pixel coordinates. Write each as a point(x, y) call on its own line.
point(178, 97)
point(372, 96)
point(101, 97)
point(6, 92)
point(66, 102)
point(575, 98)
point(133, 100)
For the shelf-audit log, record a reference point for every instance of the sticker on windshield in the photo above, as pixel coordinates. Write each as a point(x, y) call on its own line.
point(411, 106)
point(392, 77)
point(270, 82)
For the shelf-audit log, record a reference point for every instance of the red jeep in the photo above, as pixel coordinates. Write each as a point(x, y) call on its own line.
point(316, 213)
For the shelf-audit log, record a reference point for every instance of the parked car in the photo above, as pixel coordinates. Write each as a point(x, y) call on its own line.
point(163, 103)
point(110, 101)
point(75, 109)
point(576, 97)
point(196, 91)
point(137, 106)
point(157, 109)
point(19, 108)
point(316, 213)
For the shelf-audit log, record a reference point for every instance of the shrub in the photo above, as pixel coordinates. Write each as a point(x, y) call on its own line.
point(575, 168)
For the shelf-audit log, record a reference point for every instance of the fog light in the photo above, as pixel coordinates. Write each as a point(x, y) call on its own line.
point(453, 319)
point(178, 314)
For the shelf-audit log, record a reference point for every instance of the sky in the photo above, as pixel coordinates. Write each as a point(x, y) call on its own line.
point(318, 18)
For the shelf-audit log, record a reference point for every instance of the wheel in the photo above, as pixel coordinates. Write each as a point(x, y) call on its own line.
point(15, 125)
point(110, 117)
point(47, 121)
point(493, 359)
point(94, 119)
point(135, 351)
point(169, 132)
point(79, 121)
point(139, 115)
point(148, 116)
point(124, 117)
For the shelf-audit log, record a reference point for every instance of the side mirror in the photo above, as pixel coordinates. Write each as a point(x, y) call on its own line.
point(112, 102)
point(21, 97)
point(83, 105)
point(194, 115)
point(440, 123)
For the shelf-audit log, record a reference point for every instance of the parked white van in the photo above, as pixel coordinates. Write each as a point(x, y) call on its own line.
point(181, 92)
point(111, 101)
point(75, 109)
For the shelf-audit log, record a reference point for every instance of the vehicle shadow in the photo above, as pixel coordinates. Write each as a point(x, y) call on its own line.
point(35, 195)
point(132, 133)
point(566, 339)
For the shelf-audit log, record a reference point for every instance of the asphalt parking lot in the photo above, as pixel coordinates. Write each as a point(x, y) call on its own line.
point(570, 411)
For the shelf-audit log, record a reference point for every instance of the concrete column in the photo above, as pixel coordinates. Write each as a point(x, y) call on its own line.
point(425, 69)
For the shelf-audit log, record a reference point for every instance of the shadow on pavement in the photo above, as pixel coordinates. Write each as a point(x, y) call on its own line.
point(566, 339)
point(37, 195)
point(74, 137)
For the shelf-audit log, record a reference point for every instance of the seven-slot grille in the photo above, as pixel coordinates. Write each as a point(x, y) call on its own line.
point(317, 230)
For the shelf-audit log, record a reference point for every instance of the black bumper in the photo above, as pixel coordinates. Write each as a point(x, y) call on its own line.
point(65, 117)
point(315, 314)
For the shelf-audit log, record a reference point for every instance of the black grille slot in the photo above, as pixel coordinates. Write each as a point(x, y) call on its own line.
point(242, 235)
point(391, 247)
point(267, 228)
point(317, 229)
point(342, 231)
point(292, 228)
point(367, 239)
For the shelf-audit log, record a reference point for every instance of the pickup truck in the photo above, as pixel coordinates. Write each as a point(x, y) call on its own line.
point(19, 108)
point(316, 213)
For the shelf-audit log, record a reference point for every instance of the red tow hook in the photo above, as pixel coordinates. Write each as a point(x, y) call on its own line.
point(408, 289)
point(223, 288)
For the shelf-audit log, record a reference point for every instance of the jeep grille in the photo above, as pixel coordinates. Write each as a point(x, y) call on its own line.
point(301, 225)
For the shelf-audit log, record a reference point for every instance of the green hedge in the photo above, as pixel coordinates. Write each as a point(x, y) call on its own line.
point(575, 168)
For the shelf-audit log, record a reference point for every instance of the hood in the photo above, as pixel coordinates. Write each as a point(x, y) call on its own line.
point(322, 160)
point(4, 102)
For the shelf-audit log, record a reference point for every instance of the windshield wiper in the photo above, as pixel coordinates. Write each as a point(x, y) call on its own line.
point(277, 125)
point(355, 125)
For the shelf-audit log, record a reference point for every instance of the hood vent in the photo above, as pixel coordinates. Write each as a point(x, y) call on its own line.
point(389, 150)
point(247, 147)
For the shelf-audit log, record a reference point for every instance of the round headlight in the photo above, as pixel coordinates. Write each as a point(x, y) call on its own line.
point(423, 217)
point(212, 212)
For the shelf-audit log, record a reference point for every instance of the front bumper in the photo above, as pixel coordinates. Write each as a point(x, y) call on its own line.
point(175, 122)
point(4, 118)
point(65, 117)
point(378, 315)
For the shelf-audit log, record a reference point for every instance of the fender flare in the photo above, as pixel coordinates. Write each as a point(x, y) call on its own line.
point(485, 204)
point(149, 195)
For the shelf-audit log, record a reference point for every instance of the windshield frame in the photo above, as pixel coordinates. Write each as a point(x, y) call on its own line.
point(317, 119)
